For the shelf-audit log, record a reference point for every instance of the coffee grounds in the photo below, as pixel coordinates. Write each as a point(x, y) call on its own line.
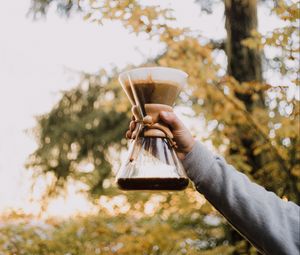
point(150, 92)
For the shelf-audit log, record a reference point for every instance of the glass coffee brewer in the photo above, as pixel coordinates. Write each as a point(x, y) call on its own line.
point(152, 163)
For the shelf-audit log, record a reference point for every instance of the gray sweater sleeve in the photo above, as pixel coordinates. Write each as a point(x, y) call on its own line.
point(269, 223)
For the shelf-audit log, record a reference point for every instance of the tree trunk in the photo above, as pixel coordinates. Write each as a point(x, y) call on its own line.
point(244, 65)
point(241, 18)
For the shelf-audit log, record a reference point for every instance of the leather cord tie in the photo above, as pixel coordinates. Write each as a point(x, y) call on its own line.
point(150, 126)
point(156, 129)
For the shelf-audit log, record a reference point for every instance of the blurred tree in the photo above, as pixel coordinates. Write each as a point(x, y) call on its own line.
point(80, 130)
point(260, 129)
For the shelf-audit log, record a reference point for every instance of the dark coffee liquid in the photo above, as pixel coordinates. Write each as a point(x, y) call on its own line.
point(152, 183)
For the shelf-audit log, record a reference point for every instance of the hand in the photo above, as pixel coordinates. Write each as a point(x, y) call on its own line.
point(182, 135)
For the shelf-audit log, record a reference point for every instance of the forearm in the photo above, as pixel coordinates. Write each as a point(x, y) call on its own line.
point(269, 223)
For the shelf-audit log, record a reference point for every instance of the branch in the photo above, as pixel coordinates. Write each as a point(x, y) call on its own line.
point(220, 45)
point(253, 123)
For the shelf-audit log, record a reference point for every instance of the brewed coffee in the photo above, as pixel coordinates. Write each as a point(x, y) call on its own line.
point(150, 92)
point(153, 183)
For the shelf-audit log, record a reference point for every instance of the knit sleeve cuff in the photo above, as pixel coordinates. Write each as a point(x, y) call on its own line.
point(198, 162)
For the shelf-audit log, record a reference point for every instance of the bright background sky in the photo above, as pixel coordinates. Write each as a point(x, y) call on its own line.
point(36, 62)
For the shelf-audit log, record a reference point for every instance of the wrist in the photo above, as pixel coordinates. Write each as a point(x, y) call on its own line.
point(185, 150)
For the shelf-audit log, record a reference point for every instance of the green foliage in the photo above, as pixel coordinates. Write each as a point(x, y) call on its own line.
point(80, 130)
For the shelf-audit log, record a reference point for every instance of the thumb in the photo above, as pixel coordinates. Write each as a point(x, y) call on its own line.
point(171, 119)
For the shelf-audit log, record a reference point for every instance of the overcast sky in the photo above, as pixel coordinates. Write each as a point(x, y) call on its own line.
point(35, 62)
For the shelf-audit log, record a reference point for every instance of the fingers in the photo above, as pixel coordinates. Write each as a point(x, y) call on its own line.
point(171, 119)
point(132, 125)
point(129, 133)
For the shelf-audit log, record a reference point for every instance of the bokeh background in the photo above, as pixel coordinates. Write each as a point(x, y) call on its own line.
point(64, 115)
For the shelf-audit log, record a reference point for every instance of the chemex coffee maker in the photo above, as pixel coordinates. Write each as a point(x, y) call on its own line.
point(152, 163)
